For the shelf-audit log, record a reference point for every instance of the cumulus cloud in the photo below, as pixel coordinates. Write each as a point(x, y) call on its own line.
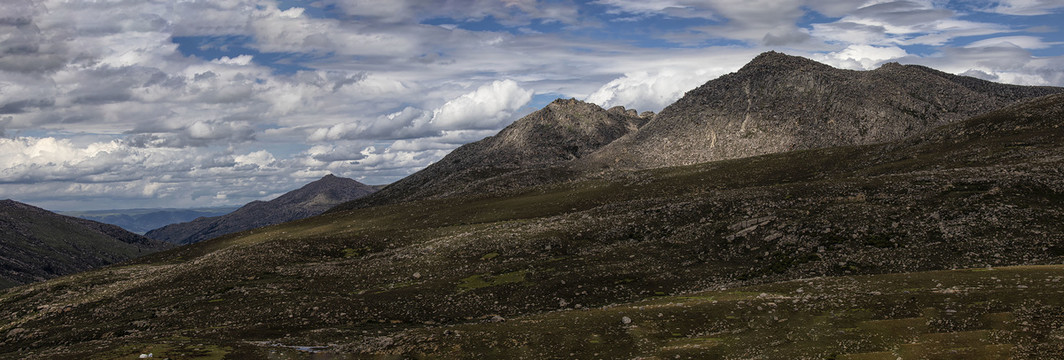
point(484, 108)
point(649, 91)
point(291, 30)
point(240, 60)
point(490, 106)
point(862, 57)
point(1009, 64)
point(29, 160)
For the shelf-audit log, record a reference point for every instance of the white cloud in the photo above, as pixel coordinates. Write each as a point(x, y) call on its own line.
point(261, 158)
point(240, 60)
point(291, 30)
point(509, 12)
point(677, 8)
point(484, 108)
point(862, 57)
point(28, 160)
point(915, 22)
point(315, 92)
point(1026, 42)
point(1027, 7)
point(643, 90)
point(490, 106)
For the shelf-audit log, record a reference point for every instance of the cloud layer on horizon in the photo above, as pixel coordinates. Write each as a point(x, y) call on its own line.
point(163, 103)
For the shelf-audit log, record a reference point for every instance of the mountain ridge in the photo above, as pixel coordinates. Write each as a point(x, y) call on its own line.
point(311, 199)
point(775, 103)
point(561, 132)
point(37, 244)
point(780, 102)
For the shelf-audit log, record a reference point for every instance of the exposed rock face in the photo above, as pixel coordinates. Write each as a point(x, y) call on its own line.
point(562, 131)
point(312, 199)
point(780, 103)
point(36, 244)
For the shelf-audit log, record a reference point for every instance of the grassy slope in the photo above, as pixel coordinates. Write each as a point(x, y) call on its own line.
point(372, 280)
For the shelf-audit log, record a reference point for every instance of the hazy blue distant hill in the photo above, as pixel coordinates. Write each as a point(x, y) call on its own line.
point(141, 221)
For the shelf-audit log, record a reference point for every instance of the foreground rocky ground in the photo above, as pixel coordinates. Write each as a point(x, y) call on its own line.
point(465, 276)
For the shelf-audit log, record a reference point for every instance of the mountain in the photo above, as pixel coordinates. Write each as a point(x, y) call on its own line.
point(780, 103)
point(559, 133)
point(818, 253)
point(309, 200)
point(140, 221)
point(776, 103)
point(36, 244)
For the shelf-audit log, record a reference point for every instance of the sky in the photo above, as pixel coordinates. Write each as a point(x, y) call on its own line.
point(112, 104)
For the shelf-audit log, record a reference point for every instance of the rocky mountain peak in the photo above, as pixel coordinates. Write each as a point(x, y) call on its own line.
point(566, 102)
point(563, 131)
point(779, 103)
point(773, 61)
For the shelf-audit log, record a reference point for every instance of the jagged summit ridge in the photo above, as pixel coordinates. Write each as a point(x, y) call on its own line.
point(772, 61)
point(779, 103)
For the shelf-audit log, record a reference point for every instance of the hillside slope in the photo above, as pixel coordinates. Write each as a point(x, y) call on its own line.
point(559, 133)
point(780, 103)
point(309, 200)
point(404, 279)
point(36, 244)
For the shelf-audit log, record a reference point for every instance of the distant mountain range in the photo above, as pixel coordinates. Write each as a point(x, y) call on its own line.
point(309, 200)
point(140, 221)
point(36, 244)
point(788, 210)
